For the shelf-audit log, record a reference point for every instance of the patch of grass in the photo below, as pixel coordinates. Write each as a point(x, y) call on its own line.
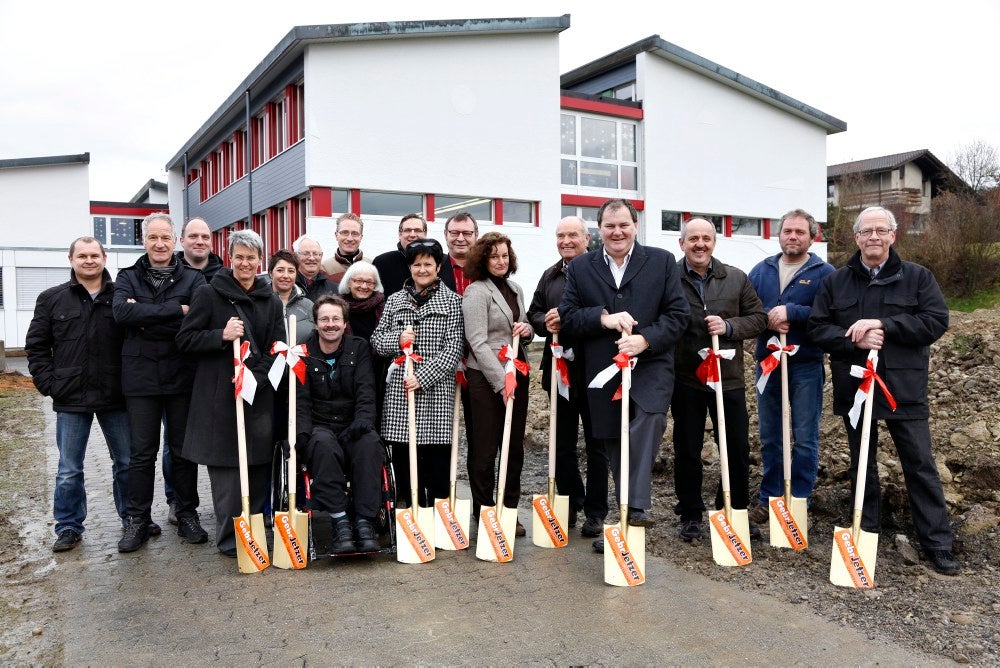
point(985, 299)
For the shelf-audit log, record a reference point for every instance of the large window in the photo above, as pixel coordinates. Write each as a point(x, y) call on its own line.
point(32, 281)
point(341, 200)
point(517, 213)
point(481, 208)
point(118, 231)
point(599, 152)
point(751, 227)
point(375, 203)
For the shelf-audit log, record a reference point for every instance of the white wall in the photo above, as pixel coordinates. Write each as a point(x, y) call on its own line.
point(65, 215)
point(452, 115)
point(710, 148)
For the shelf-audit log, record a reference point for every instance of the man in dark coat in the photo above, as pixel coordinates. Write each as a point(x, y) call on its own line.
point(626, 298)
point(879, 302)
point(336, 427)
point(723, 303)
point(152, 298)
point(196, 249)
point(74, 356)
point(393, 269)
point(572, 239)
point(236, 305)
point(311, 277)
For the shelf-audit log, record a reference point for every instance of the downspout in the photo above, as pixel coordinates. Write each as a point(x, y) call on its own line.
point(247, 160)
point(185, 208)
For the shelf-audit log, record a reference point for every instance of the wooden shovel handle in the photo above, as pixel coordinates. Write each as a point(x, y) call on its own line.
point(505, 441)
point(411, 422)
point(553, 398)
point(291, 419)
point(786, 422)
point(866, 428)
point(241, 436)
point(625, 465)
point(720, 423)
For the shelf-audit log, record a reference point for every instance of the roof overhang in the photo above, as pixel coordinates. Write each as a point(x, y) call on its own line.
point(692, 61)
point(45, 161)
point(293, 45)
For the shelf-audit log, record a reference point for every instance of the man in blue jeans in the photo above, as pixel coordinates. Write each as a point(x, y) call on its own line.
point(786, 284)
point(74, 351)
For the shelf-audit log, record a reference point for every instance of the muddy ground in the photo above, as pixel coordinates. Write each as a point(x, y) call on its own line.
point(955, 617)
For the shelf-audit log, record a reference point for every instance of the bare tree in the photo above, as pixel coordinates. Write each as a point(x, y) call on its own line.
point(978, 163)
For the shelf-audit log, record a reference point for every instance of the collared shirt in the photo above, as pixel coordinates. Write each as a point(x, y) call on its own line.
point(873, 272)
point(461, 282)
point(699, 282)
point(618, 273)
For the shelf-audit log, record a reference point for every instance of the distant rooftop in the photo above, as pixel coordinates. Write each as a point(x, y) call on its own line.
point(80, 158)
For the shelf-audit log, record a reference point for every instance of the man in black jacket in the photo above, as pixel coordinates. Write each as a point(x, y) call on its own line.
point(335, 415)
point(393, 269)
point(152, 298)
point(196, 249)
point(74, 356)
point(572, 239)
point(879, 302)
point(723, 302)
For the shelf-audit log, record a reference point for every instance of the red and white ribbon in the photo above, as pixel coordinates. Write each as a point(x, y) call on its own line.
point(771, 362)
point(708, 370)
point(407, 349)
point(290, 356)
point(619, 361)
point(867, 373)
point(511, 367)
point(560, 355)
point(460, 373)
point(246, 384)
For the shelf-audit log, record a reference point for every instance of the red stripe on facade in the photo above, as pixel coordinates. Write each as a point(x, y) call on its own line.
point(322, 201)
point(538, 215)
point(355, 196)
point(587, 200)
point(605, 108)
point(686, 215)
point(107, 210)
point(727, 226)
point(429, 205)
point(766, 232)
point(498, 211)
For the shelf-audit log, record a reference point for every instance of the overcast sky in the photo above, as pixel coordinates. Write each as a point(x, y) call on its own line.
point(131, 82)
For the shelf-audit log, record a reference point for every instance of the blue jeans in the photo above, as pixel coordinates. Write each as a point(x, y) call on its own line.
point(805, 395)
point(69, 506)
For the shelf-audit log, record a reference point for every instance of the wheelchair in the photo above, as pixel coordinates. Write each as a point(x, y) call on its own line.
point(320, 537)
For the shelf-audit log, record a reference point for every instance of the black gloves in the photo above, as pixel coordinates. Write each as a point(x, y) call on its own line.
point(358, 428)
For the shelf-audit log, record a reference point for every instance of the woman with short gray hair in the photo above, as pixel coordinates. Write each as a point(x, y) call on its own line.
point(236, 305)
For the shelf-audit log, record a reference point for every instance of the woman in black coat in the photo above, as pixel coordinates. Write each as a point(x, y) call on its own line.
point(236, 305)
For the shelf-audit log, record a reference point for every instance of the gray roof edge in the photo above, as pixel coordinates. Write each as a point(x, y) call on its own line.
point(299, 35)
point(681, 56)
point(79, 158)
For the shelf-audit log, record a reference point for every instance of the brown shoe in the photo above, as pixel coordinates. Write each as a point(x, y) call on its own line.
point(520, 530)
point(759, 514)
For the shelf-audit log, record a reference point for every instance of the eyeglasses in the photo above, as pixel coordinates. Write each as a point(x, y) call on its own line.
point(880, 231)
point(458, 233)
point(412, 230)
point(348, 233)
point(363, 281)
point(240, 259)
point(310, 253)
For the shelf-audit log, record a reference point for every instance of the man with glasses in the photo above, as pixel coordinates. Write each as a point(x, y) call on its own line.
point(350, 232)
point(880, 302)
point(460, 231)
point(392, 267)
point(311, 278)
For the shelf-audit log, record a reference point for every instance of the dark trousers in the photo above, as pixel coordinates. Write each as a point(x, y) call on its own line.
point(688, 407)
point(433, 472)
point(912, 439)
point(332, 460)
point(592, 498)
point(488, 410)
point(645, 432)
point(145, 415)
point(227, 500)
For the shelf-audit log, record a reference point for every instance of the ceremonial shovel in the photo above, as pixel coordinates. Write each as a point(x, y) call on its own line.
point(624, 545)
point(497, 524)
point(729, 528)
point(291, 526)
point(548, 524)
point(788, 515)
point(451, 515)
point(416, 548)
point(251, 542)
point(852, 563)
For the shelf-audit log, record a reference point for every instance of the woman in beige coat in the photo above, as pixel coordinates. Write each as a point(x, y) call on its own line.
point(494, 312)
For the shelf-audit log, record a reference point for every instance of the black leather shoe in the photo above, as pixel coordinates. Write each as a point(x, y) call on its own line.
point(754, 532)
point(690, 530)
point(153, 529)
point(66, 540)
point(190, 529)
point(367, 541)
point(136, 533)
point(598, 546)
point(343, 536)
point(592, 527)
point(573, 512)
point(944, 562)
point(640, 518)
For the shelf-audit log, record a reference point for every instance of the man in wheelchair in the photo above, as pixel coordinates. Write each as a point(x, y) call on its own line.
point(335, 416)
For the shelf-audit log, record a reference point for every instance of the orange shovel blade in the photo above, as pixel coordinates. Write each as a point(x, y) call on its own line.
point(547, 516)
point(491, 523)
point(783, 514)
point(451, 524)
point(253, 556)
point(614, 540)
point(293, 547)
point(409, 528)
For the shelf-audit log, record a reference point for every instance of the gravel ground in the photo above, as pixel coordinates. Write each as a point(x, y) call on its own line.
point(954, 617)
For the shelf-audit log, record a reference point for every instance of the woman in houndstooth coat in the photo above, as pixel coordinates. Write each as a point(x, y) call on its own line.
point(435, 314)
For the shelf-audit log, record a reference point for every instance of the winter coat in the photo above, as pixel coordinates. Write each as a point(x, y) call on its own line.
point(152, 365)
point(210, 270)
point(393, 270)
point(729, 295)
point(211, 428)
point(74, 348)
point(488, 325)
point(439, 328)
point(547, 295)
point(797, 298)
point(906, 298)
point(302, 308)
point(320, 285)
point(651, 293)
point(336, 402)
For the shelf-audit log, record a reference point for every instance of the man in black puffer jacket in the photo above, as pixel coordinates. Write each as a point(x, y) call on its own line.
point(335, 416)
point(152, 298)
point(74, 356)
